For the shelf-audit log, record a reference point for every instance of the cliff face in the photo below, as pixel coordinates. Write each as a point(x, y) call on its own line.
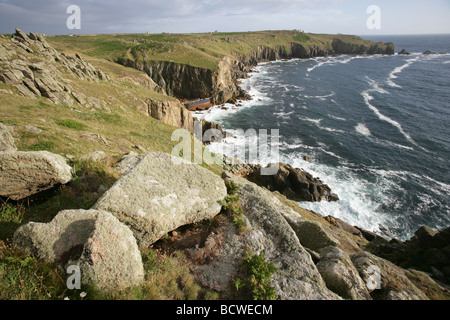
point(170, 112)
point(230, 69)
point(221, 86)
point(340, 47)
point(176, 79)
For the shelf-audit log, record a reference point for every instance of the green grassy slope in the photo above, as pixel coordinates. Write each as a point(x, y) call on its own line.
point(202, 50)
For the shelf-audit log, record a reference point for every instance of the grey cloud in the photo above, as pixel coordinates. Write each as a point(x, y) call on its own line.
point(49, 16)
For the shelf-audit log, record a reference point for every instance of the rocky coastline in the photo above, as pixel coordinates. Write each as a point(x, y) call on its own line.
point(217, 219)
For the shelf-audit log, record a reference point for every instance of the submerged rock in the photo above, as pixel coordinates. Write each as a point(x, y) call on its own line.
point(103, 248)
point(23, 174)
point(160, 195)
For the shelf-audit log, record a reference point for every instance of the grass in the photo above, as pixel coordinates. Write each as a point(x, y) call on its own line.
point(25, 278)
point(72, 124)
point(258, 272)
point(232, 207)
point(166, 278)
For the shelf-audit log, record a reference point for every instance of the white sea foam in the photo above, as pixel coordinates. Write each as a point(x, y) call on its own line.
point(332, 61)
point(398, 70)
point(336, 118)
point(359, 198)
point(317, 123)
point(367, 98)
point(322, 98)
point(362, 129)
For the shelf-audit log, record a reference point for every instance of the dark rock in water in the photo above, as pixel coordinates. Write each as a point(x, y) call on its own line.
point(429, 52)
point(404, 52)
point(307, 158)
point(294, 183)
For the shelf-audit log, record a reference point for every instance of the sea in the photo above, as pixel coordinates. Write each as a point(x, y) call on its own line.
point(376, 129)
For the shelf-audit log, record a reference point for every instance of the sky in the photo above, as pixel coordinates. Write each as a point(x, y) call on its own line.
point(195, 16)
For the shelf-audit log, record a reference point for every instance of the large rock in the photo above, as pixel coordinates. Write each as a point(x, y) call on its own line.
point(269, 232)
point(159, 195)
point(393, 283)
point(104, 249)
point(314, 235)
point(296, 184)
point(6, 139)
point(340, 275)
point(23, 174)
point(129, 161)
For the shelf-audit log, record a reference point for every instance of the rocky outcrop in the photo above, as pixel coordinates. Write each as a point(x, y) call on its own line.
point(390, 282)
point(297, 277)
point(404, 52)
point(314, 235)
point(341, 47)
point(171, 112)
point(103, 248)
point(340, 274)
point(212, 130)
point(427, 250)
point(36, 69)
point(6, 139)
point(23, 174)
point(129, 161)
point(161, 194)
point(294, 183)
point(225, 81)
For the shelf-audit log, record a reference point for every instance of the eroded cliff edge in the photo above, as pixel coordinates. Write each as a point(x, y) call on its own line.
point(218, 79)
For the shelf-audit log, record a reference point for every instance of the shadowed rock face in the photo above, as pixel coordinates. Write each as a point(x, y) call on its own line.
point(23, 174)
point(103, 248)
point(158, 196)
point(176, 79)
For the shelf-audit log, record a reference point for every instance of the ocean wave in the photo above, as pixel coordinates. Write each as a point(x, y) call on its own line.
point(360, 199)
point(317, 123)
point(322, 98)
point(367, 98)
point(398, 70)
point(333, 61)
point(336, 118)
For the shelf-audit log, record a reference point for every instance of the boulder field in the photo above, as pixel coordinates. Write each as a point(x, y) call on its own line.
point(314, 259)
